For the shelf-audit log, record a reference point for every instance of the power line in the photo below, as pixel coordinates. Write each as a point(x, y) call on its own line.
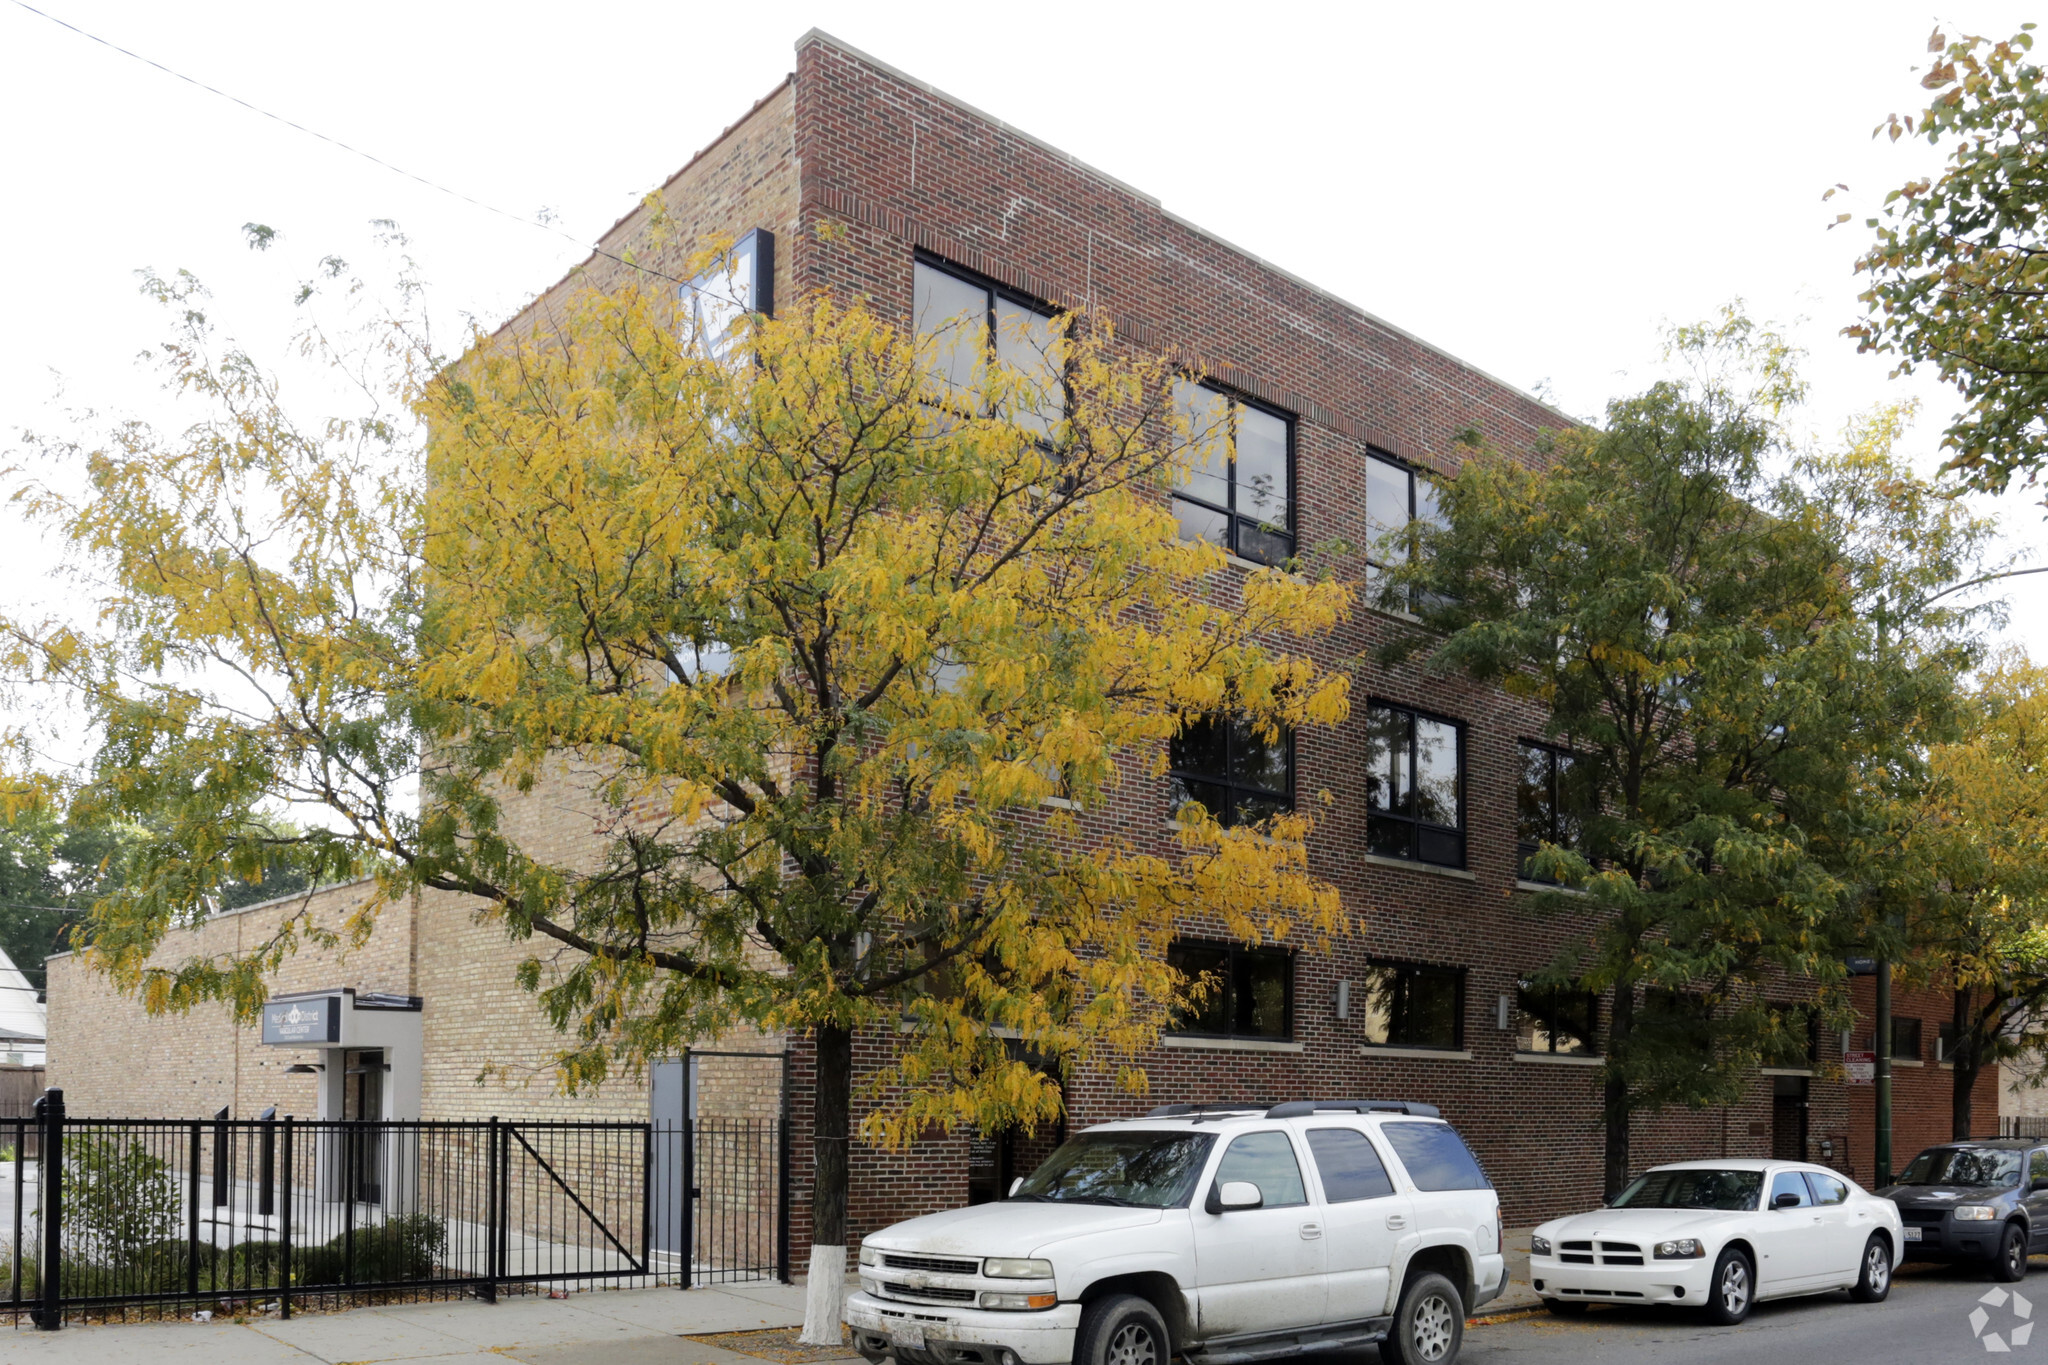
point(337, 142)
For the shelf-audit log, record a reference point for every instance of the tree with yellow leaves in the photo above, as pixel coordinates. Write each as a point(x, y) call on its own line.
point(1978, 927)
point(855, 639)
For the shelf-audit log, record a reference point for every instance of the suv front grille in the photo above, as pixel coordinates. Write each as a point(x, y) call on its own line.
point(931, 1292)
point(1924, 1218)
point(937, 1265)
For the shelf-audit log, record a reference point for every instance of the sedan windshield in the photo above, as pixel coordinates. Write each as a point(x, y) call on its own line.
point(1982, 1166)
point(1133, 1170)
point(1730, 1191)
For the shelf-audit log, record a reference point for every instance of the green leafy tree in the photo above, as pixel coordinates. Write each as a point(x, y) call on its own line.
point(1699, 631)
point(1958, 273)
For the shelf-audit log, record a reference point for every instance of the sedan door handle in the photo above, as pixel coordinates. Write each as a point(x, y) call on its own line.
point(1396, 1222)
point(1311, 1231)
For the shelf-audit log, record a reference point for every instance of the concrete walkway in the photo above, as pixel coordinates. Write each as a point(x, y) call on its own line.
point(598, 1327)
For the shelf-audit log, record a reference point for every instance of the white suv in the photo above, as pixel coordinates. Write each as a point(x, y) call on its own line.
point(1226, 1233)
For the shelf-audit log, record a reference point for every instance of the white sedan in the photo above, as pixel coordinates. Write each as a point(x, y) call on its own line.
point(1720, 1235)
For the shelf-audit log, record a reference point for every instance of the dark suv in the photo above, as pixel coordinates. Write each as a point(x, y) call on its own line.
point(1984, 1201)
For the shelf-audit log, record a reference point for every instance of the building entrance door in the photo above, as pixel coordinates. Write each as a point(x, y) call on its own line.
point(1788, 1118)
point(362, 1097)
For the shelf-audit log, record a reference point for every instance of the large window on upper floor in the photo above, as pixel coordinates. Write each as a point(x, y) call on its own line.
point(1240, 492)
point(1414, 785)
point(741, 282)
point(1227, 766)
point(1556, 1021)
point(1551, 803)
point(1410, 1005)
point(1396, 497)
point(965, 322)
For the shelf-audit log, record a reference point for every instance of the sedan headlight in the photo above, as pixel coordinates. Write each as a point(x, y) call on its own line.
point(1019, 1300)
point(1680, 1249)
point(1539, 1246)
point(1975, 1213)
point(1014, 1268)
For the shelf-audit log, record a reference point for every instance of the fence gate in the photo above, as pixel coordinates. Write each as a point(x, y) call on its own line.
point(109, 1215)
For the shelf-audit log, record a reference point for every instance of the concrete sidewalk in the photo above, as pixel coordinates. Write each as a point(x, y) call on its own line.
point(594, 1327)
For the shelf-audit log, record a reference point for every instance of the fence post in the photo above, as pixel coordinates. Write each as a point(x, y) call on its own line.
point(284, 1231)
point(504, 1244)
point(20, 1169)
point(782, 1180)
point(689, 1239)
point(220, 1157)
point(266, 1164)
point(488, 1290)
point(192, 1217)
point(50, 1272)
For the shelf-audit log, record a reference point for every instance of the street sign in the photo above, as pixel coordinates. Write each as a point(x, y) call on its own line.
point(1860, 1067)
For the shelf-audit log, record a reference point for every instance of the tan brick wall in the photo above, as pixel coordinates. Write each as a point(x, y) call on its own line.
point(114, 1060)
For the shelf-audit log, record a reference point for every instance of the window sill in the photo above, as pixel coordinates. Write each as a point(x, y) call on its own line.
point(1059, 803)
point(1787, 1071)
point(1414, 865)
point(1524, 884)
point(1228, 1044)
point(1559, 1059)
point(1430, 1054)
point(1901, 1061)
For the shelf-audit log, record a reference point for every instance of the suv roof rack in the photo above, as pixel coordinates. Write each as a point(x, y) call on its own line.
point(1181, 1111)
point(1295, 1109)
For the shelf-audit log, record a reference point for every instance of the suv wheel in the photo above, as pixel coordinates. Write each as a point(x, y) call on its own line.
point(1122, 1329)
point(1429, 1326)
point(1732, 1289)
point(1875, 1281)
point(2011, 1262)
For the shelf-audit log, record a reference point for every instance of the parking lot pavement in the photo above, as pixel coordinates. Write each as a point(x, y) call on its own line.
point(1933, 1315)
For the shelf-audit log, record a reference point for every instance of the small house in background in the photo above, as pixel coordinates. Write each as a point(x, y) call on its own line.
point(23, 1025)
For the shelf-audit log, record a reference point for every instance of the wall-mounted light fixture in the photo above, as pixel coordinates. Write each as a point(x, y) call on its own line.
point(1343, 999)
point(1503, 1013)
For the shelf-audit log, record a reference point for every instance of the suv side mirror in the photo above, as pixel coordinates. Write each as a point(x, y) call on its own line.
point(1235, 1194)
point(1015, 1185)
point(1787, 1200)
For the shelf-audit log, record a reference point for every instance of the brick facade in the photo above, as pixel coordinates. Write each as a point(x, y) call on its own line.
point(856, 169)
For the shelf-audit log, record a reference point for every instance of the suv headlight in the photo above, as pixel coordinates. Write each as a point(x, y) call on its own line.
point(869, 1256)
point(1975, 1213)
point(1014, 1268)
point(1680, 1249)
point(1019, 1300)
point(1539, 1246)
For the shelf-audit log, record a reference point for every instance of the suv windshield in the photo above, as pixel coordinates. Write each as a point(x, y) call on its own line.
point(1984, 1166)
point(1693, 1189)
point(1138, 1170)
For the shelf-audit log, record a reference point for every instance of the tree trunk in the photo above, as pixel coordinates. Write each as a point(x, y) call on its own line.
point(824, 1296)
point(1963, 1078)
point(1614, 1097)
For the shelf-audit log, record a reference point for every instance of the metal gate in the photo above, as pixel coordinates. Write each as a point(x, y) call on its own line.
point(108, 1215)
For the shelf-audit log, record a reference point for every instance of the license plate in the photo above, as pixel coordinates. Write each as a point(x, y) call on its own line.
point(1912, 1234)
point(909, 1335)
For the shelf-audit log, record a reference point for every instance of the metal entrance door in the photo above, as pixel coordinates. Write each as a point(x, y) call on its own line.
point(362, 1097)
point(671, 1099)
point(1788, 1118)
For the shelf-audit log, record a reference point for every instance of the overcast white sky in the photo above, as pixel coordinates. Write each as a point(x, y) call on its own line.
point(1536, 188)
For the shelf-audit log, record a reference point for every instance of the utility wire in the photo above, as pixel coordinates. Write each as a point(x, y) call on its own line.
point(337, 142)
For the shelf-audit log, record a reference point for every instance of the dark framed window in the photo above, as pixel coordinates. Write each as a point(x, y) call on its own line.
point(1905, 1039)
point(1556, 1021)
point(967, 321)
point(742, 282)
point(1677, 1022)
point(1225, 765)
point(1397, 495)
point(1251, 991)
point(1799, 1036)
point(1414, 785)
point(1407, 1005)
point(1945, 1041)
point(1551, 804)
point(1240, 493)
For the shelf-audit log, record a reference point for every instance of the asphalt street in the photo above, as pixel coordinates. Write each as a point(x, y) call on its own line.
point(1928, 1320)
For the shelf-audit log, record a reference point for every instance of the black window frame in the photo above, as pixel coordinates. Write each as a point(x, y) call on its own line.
point(1415, 825)
point(1232, 735)
point(1526, 992)
point(756, 248)
point(1374, 565)
point(995, 289)
point(1397, 1006)
point(1915, 1032)
point(1234, 955)
point(1945, 1040)
point(1235, 521)
point(1525, 849)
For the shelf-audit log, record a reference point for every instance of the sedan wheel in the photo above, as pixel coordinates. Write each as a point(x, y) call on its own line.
point(1875, 1281)
point(1732, 1290)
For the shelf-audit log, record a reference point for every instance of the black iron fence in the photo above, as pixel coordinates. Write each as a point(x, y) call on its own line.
point(2023, 1125)
point(109, 1214)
